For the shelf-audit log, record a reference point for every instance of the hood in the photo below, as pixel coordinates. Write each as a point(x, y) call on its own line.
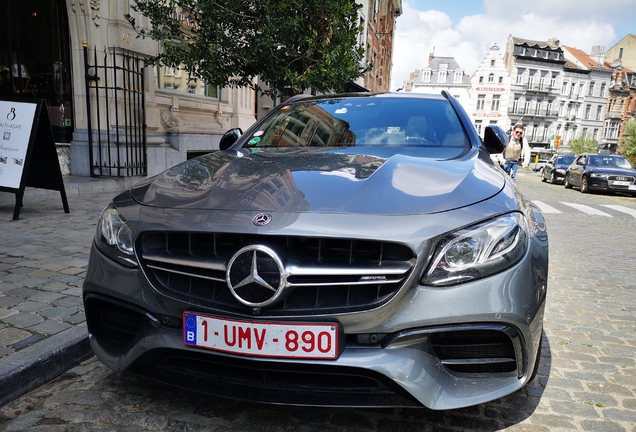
point(351, 180)
point(613, 171)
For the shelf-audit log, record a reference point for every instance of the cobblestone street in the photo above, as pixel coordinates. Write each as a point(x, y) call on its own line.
point(586, 380)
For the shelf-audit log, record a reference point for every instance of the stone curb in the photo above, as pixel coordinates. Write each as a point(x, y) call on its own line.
point(36, 365)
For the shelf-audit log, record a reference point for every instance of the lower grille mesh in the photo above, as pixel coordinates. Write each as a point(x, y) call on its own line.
point(475, 351)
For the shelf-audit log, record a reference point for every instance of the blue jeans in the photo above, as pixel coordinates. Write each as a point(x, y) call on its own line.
point(511, 167)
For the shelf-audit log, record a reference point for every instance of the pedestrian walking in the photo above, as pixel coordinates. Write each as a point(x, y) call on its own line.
point(515, 151)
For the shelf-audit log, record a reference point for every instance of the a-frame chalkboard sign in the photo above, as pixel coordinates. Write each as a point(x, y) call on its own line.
point(27, 150)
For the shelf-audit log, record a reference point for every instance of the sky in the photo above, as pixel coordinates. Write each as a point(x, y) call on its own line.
point(466, 29)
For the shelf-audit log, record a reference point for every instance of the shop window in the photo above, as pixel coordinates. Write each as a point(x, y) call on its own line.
point(35, 58)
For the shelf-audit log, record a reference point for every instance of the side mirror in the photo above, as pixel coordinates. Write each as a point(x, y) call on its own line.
point(495, 139)
point(229, 138)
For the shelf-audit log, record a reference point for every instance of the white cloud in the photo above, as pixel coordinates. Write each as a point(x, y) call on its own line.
point(577, 23)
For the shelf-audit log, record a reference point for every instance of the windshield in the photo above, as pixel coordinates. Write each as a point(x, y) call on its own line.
point(609, 161)
point(362, 121)
point(565, 160)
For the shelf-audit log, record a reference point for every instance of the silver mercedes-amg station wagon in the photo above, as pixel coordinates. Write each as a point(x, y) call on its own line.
point(346, 250)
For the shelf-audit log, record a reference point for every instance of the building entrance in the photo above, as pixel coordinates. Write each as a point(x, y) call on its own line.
point(35, 60)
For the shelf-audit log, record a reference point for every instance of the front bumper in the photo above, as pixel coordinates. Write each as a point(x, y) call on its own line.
point(133, 328)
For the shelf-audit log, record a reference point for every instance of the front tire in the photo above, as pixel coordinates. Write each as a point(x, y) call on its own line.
point(552, 178)
point(584, 187)
point(566, 182)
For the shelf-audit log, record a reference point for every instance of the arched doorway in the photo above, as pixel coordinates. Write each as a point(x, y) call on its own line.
point(35, 58)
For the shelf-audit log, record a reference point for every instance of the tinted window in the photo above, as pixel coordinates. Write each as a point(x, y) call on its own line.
point(362, 121)
point(565, 160)
point(610, 161)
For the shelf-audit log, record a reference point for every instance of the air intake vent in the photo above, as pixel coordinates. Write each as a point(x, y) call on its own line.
point(475, 351)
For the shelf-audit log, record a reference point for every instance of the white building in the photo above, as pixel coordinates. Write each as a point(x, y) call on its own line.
point(536, 71)
point(490, 88)
point(583, 94)
point(441, 73)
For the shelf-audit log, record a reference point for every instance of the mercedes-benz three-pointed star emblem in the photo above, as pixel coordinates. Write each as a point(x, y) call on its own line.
point(256, 276)
point(262, 219)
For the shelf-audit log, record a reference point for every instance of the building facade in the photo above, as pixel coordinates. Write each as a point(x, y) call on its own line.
point(536, 71)
point(57, 46)
point(441, 73)
point(583, 95)
point(624, 51)
point(489, 94)
point(621, 99)
point(378, 20)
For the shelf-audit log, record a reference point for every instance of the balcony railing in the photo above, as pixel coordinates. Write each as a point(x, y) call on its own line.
point(532, 113)
point(537, 87)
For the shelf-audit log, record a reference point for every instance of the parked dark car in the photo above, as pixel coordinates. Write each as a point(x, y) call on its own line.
point(555, 168)
point(601, 172)
point(346, 250)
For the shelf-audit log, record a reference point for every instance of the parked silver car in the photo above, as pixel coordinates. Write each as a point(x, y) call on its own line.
point(346, 250)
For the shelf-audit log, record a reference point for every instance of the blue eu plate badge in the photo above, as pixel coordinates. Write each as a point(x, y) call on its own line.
point(190, 333)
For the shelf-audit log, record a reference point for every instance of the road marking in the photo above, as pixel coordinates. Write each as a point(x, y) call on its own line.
point(629, 211)
point(587, 209)
point(546, 208)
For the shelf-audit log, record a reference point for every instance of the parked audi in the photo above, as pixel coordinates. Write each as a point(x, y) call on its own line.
point(346, 250)
point(555, 168)
point(601, 172)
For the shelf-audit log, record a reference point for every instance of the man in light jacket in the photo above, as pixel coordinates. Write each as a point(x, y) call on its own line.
point(516, 151)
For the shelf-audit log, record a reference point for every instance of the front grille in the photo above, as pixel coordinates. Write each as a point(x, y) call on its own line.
point(475, 351)
point(324, 276)
point(613, 178)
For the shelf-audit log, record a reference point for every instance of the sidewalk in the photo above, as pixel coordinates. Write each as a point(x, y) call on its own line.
point(43, 258)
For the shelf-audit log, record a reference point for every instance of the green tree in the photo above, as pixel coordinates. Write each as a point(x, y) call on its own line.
point(583, 144)
point(627, 144)
point(293, 44)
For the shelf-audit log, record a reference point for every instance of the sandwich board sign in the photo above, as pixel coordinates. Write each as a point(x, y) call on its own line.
point(27, 150)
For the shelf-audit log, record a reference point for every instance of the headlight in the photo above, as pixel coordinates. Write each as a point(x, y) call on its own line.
point(598, 175)
point(561, 171)
point(114, 237)
point(478, 251)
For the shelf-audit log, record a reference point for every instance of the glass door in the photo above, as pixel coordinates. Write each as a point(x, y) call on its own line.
point(35, 58)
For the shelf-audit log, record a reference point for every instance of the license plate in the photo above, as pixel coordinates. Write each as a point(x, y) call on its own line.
point(620, 183)
point(261, 339)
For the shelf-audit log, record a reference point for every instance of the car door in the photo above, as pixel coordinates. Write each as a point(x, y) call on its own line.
point(576, 170)
point(549, 166)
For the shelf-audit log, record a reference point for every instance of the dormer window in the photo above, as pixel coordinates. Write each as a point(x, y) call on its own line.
point(522, 51)
point(556, 56)
point(545, 54)
point(534, 53)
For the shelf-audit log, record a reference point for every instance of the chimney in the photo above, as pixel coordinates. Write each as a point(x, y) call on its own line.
point(598, 54)
point(554, 41)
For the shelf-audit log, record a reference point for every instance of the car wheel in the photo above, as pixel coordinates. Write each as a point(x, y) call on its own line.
point(566, 181)
point(552, 178)
point(584, 187)
point(543, 179)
